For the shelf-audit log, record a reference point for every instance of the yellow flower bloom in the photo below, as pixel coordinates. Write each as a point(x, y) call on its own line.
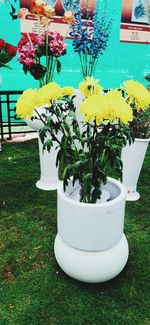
point(26, 103)
point(137, 94)
point(111, 107)
point(89, 86)
point(67, 91)
point(49, 92)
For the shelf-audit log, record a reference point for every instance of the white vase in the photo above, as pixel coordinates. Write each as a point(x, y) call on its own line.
point(48, 171)
point(90, 245)
point(132, 158)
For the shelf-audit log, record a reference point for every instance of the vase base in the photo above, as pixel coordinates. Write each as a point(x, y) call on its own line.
point(48, 186)
point(91, 267)
point(132, 196)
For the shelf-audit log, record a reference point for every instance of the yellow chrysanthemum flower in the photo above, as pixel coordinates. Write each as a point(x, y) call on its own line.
point(89, 87)
point(118, 108)
point(67, 91)
point(111, 107)
point(137, 94)
point(51, 91)
point(26, 103)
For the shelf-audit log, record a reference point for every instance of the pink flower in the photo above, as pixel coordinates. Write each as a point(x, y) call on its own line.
point(56, 36)
point(27, 55)
point(41, 38)
point(57, 47)
point(26, 40)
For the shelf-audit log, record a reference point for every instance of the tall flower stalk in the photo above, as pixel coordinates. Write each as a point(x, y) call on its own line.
point(90, 38)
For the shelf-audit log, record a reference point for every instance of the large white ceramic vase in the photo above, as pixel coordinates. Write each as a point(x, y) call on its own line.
point(132, 158)
point(90, 245)
point(49, 179)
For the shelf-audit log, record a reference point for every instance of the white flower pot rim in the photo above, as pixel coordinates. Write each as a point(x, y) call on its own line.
point(142, 139)
point(90, 205)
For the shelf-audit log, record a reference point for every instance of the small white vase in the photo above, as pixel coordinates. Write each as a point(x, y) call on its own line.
point(132, 157)
point(90, 245)
point(48, 171)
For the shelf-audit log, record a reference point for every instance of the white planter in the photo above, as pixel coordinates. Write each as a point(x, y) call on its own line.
point(90, 236)
point(77, 102)
point(132, 158)
point(36, 123)
point(48, 170)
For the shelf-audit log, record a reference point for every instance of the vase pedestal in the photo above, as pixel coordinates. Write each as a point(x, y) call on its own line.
point(91, 245)
point(91, 267)
point(132, 194)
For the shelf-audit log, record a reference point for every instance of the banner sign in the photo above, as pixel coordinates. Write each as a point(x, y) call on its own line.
point(29, 23)
point(135, 26)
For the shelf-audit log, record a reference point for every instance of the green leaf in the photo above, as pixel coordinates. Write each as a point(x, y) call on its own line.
point(7, 66)
point(25, 69)
point(58, 66)
point(47, 145)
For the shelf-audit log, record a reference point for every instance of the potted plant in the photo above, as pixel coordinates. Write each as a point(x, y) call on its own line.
point(133, 153)
point(90, 245)
point(40, 55)
point(27, 108)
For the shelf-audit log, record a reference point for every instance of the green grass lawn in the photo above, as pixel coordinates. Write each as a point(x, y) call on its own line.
point(34, 290)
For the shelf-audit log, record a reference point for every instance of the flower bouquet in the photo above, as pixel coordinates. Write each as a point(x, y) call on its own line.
point(39, 53)
point(33, 48)
point(31, 106)
point(139, 98)
point(133, 154)
point(105, 126)
point(90, 37)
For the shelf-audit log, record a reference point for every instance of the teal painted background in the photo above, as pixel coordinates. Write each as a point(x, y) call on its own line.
point(120, 61)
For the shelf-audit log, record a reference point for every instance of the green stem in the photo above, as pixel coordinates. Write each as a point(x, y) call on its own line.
point(82, 67)
point(47, 59)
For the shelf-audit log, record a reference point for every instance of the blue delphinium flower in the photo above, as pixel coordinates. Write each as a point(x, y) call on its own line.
point(90, 38)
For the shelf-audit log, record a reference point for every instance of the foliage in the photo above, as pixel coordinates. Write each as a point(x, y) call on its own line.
point(90, 151)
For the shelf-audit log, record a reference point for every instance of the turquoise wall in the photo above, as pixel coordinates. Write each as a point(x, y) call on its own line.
point(120, 61)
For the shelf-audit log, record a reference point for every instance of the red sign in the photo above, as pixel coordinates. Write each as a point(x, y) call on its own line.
point(134, 22)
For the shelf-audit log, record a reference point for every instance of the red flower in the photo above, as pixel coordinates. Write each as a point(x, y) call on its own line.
point(2, 44)
point(11, 50)
point(25, 40)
